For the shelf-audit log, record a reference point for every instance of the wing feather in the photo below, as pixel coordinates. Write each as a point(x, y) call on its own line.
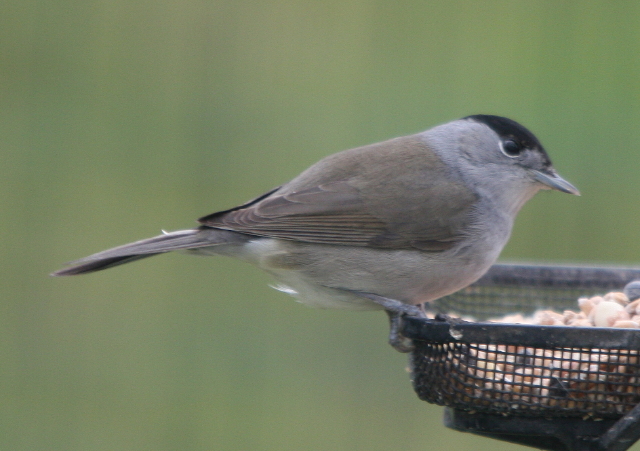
point(396, 199)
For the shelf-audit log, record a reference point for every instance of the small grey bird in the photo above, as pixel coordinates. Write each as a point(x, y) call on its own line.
point(385, 226)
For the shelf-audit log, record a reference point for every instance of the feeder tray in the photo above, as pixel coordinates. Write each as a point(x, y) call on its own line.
point(551, 387)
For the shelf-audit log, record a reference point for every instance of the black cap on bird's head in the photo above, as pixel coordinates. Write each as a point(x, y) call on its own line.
point(509, 129)
point(515, 139)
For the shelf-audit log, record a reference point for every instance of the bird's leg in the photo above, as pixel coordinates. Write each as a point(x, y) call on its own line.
point(396, 310)
point(398, 341)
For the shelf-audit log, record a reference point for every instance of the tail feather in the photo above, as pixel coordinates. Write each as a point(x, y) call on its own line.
point(98, 265)
point(167, 242)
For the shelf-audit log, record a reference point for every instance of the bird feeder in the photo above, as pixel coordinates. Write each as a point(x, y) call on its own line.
point(556, 388)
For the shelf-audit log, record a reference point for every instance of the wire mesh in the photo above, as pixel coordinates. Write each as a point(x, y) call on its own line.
point(525, 380)
point(525, 370)
point(509, 288)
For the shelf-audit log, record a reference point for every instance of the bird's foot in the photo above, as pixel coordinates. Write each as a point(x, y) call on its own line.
point(396, 310)
point(398, 341)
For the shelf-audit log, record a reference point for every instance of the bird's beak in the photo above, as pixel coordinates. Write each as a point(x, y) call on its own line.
point(554, 181)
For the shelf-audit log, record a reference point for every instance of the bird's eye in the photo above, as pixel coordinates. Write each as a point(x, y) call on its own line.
point(511, 148)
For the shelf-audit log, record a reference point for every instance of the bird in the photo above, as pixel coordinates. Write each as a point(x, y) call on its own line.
point(387, 226)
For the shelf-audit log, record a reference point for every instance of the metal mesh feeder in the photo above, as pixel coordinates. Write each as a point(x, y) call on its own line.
point(550, 387)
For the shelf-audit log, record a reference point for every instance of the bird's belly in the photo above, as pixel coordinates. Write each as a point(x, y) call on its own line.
point(320, 275)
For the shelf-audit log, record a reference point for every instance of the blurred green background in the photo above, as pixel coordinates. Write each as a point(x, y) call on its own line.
point(119, 118)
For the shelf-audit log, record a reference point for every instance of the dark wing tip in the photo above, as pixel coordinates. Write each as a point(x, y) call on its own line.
point(211, 219)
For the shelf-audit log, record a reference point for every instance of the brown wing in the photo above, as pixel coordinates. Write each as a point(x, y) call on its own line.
point(329, 214)
point(362, 197)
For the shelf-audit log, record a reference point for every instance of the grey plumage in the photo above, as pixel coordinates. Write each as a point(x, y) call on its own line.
point(410, 219)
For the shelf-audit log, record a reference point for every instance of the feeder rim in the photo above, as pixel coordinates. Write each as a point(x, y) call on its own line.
point(458, 331)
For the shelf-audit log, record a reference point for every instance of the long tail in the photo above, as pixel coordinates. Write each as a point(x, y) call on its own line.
point(167, 242)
